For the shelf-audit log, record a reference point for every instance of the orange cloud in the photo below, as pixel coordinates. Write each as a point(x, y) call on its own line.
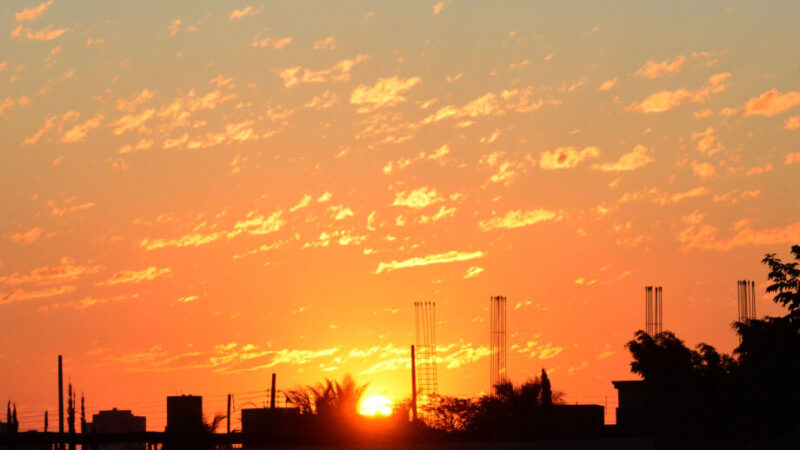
point(130, 104)
point(132, 121)
point(19, 295)
point(338, 72)
point(47, 33)
point(34, 13)
point(707, 143)
point(66, 271)
point(792, 123)
point(517, 219)
point(270, 42)
point(437, 8)
point(607, 85)
point(137, 276)
point(418, 198)
point(698, 235)
point(385, 92)
point(792, 158)
point(440, 258)
point(329, 43)
point(244, 12)
point(771, 102)
point(566, 157)
point(28, 237)
point(667, 100)
point(703, 170)
point(653, 70)
point(78, 132)
point(638, 157)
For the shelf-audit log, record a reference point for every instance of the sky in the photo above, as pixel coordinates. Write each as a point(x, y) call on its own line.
point(199, 194)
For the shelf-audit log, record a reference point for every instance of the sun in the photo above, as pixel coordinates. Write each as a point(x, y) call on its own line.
point(375, 405)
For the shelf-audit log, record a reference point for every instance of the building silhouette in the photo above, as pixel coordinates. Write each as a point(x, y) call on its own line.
point(185, 414)
point(117, 421)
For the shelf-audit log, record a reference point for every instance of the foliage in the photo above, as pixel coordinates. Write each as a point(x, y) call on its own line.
point(785, 279)
point(450, 414)
point(211, 426)
point(329, 398)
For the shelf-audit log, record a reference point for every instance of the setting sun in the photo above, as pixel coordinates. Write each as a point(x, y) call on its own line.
point(376, 405)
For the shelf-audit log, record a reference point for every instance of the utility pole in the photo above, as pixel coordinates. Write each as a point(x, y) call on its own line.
point(413, 385)
point(272, 394)
point(229, 414)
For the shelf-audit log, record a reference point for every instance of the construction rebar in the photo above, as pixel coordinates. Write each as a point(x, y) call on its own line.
point(497, 341)
point(425, 326)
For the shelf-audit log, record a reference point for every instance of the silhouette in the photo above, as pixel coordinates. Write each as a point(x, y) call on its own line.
point(701, 391)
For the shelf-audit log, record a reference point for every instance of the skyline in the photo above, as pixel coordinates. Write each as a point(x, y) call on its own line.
point(200, 194)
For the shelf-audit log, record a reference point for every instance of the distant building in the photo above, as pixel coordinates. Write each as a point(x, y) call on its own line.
point(278, 425)
point(575, 419)
point(632, 413)
point(118, 421)
point(185, 414)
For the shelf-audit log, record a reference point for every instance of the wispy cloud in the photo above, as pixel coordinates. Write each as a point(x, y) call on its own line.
point(418, 198)
point(518, 218)
point(137, 276)
point(338, 72)
point(640, 156)
point(653, 70)
point(385, 92)
point(419, 261)
point(31, 14)
point(566, 157)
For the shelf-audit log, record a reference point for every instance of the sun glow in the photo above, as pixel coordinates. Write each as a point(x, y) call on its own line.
point(376, 405)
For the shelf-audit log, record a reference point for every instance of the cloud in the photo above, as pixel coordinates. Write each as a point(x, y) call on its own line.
point(638, 157)
point(131, 103)
point(27, 237)
point(69, 206)
point(707, 142)
point(490, 104)
point(771, 102)
point(473, 272)
point(792, 158)
point(434, 155)
point(47, 33)
point(137, 276)
point(66, 271)
point(325, 101)
point(419, 261)
point(244, 12)
point(174, 27)
point(698, 235)
point(78, 132)
point(51, 121)
point(132, 121)
point(305, 201)
point(418, 198)
point(195, 238)
point(338, 72)
point(607, 85)
point(667, 100)
point(437, 8)
point(703, 170)
point(31, 14)
point(653, 70)
point(329, 43)
point(86, 302)
point(385, 92)
point(566, 157)
point(257, 224)
point(274, 43)
point(517, 219)
point(18, 295)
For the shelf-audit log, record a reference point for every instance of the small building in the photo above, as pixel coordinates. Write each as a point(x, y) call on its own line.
point(632, 412)
point(271, 425)
point(575, 419)
point(185, 414)
point(118, 421)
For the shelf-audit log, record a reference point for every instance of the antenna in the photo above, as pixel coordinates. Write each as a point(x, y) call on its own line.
point(425, 322)
point(497, 341)
point(653, 300)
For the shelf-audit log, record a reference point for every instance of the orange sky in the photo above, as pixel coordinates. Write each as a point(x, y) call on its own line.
point(198, 194)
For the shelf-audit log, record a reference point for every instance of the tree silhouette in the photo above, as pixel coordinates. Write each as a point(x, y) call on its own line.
point(547, 390)
point(328, 398)
point(785, 279)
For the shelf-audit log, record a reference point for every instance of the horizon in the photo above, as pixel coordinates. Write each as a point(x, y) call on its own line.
point(199, 195)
